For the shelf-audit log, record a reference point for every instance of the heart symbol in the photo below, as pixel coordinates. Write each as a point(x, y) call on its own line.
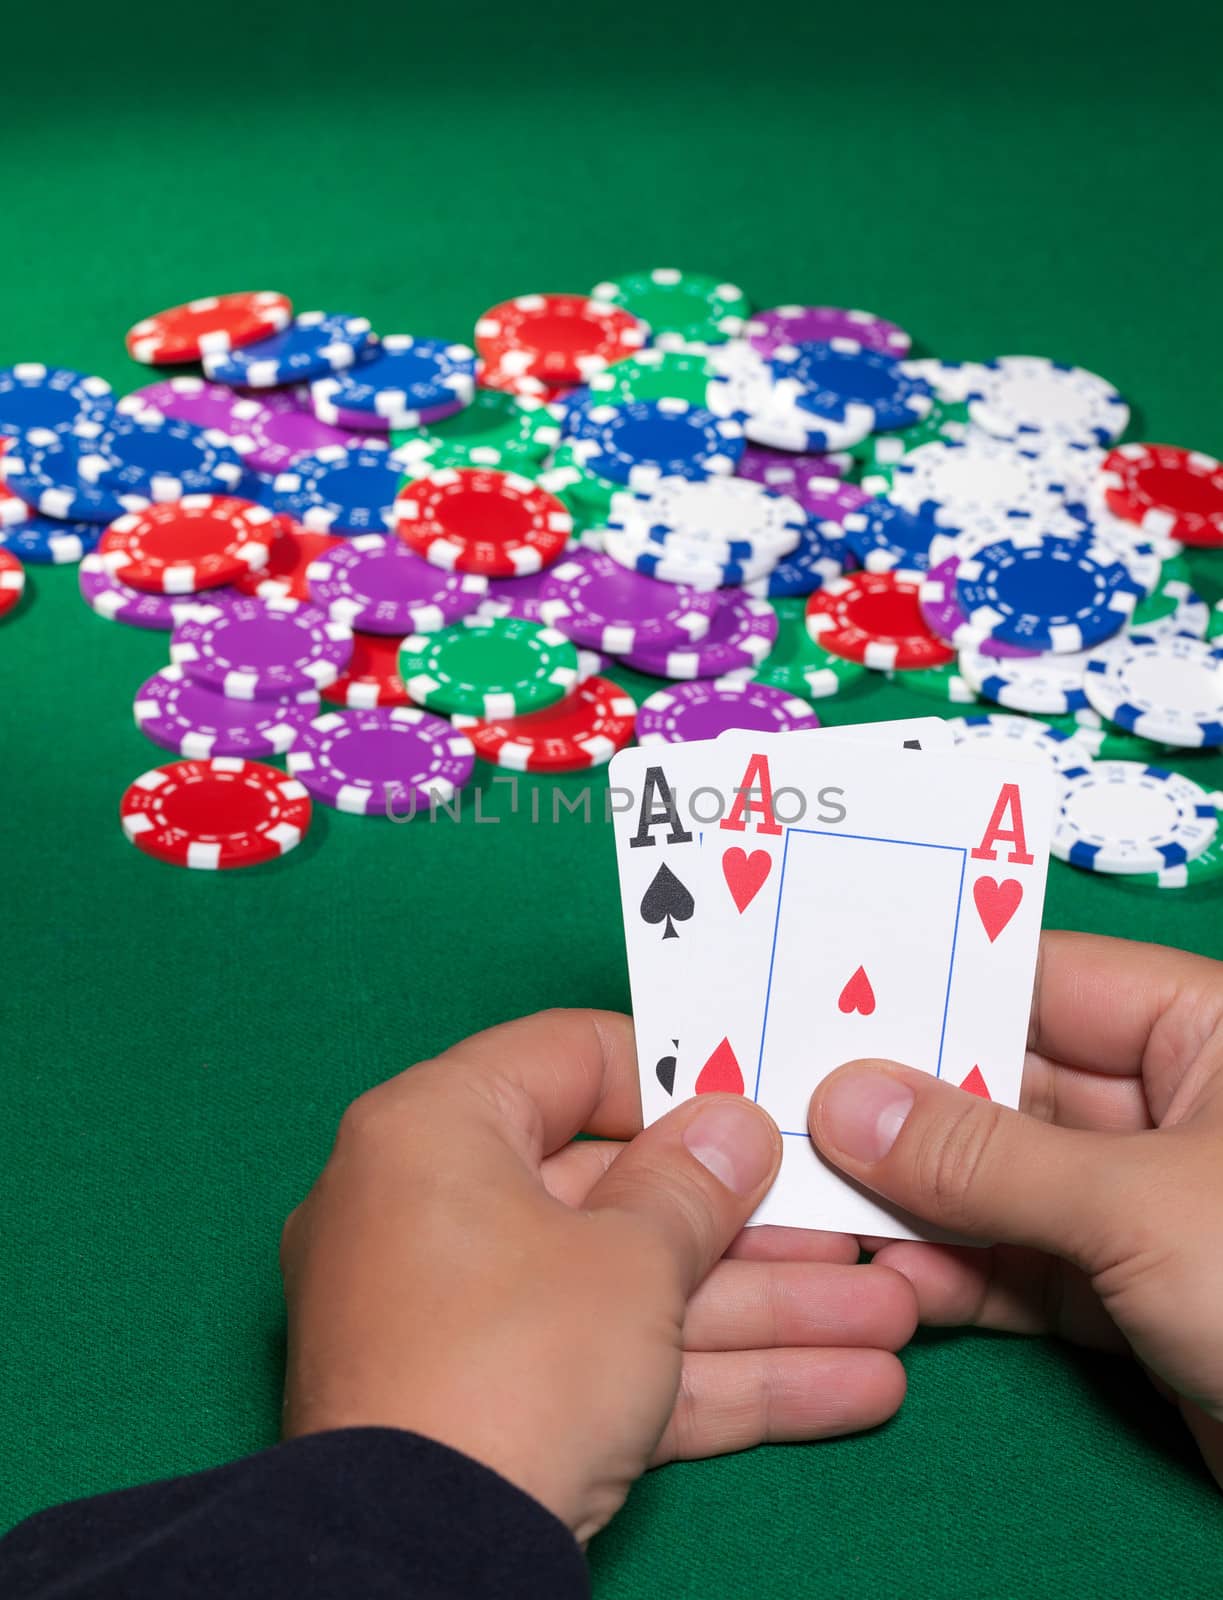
point(996, 903)
point(745, 874)
point(857, 995)
point(721, 1074)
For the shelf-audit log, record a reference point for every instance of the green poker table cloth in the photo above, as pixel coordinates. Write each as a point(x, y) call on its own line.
point(178, 1046)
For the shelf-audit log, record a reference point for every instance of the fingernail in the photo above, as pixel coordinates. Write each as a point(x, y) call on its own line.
point(734, 1142)
point(862, 1112)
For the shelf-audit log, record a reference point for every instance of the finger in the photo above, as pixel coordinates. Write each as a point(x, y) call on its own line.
point(695, 1177)
point(769, 1242)
point(763, 1305)
point(1007, 1290)
point(1073, 1098)
point(972, 1167)
point(534, 1083)
point(1099, 1002)
point(734, 1402)
point(572, 1173)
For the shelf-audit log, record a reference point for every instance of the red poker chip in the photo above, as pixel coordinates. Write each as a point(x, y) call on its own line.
point(182, 546)
point(221, 813)
point(492, 376)
point(561, 338)
point(371, 677)
point(874, 618)
point(583, 730)
point(293, 549)
point(12, 582)
point(13, 510)
point(217, 323)
point(472, 519)
point(1167, 490)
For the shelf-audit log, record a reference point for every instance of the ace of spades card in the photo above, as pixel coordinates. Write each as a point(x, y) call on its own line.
point(865, 902)
point(658, 844)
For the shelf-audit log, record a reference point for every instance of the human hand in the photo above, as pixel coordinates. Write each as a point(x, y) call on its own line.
point(1106, 1195)
point(561, 1311)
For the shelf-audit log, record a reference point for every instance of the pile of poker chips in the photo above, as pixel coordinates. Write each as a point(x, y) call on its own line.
point(446, 541)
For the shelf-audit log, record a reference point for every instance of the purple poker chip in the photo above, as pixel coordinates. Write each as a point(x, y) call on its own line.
point(596, 602)
point(390, 761)
point(261, 649)
point(742, 633)
point(704, 709)
point(375, 584)
point(769, 330)
point(940, 606)
point(119, 602)
point(516, 597)
point(286, 429)
point(783, 471)
point(199, 723)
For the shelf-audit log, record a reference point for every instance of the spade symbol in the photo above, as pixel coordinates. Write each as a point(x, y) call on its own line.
point(664, 1070)
point(666, 901)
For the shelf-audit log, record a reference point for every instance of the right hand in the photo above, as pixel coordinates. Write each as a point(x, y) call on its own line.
point(1104, 1194)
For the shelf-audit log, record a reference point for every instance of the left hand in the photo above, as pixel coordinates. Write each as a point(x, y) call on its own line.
point(571, 1314)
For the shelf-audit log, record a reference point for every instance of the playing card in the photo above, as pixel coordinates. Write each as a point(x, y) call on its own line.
point(661, 808)
point(860, 902)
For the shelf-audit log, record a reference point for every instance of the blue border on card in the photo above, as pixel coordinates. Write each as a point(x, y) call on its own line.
point(862, 838)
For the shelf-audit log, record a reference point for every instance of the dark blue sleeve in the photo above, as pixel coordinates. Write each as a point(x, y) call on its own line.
point(372, 1512)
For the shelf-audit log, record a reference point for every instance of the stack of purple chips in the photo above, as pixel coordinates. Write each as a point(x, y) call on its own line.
point(395, 761)
point(195, 721)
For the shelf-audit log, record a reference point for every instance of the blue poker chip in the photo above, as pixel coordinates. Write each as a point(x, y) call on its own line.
point(314, 344)
point(340, 491)
point(1045, 592)
point(396, 381)
point(841, 373)
point(45, 469)
point(154, 456)
point(45, 541)
point(641, 441)
point(34, 396)
point(884, 535)
point(806, 569)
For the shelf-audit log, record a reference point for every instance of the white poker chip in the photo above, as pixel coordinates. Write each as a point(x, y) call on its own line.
point(744, 386)
point(995, 734)
point(1043, 685)
point(1122, 816)
point(1033, 399)
point(730, 517)
point(977, 485)
point(1166, 689)
point(952, 381)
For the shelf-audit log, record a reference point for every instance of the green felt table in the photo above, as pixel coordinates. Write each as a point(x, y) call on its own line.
point(177, 1046)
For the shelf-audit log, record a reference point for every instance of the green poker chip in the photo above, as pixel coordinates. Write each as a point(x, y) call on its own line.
point(1173, 606)
point(680, 307)
point(800, 666)
point(936, 683)
point(488, 667)
point(568, 479)
point(496, 429)
point(1214, 628)
point(878, 451)
point(654, 375)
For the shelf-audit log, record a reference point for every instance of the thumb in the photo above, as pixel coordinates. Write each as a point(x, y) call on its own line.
point(968, 1165)
point(697, 1174)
